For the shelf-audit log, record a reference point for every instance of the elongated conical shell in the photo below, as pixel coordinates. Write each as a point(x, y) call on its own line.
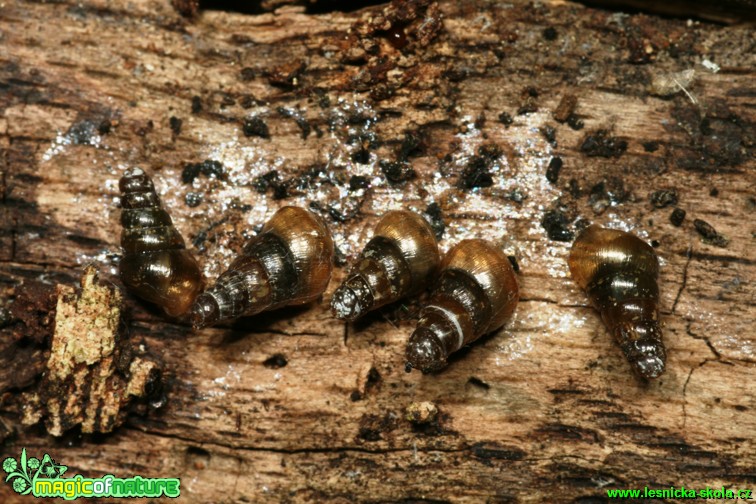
point(288, 263)
point(397, 261)
point(156, 265)
point(619, 272)
point(477, 293)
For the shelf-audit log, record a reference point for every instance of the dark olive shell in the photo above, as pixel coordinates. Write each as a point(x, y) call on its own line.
point(156, 265)
point(398, 261)
point(476, 293)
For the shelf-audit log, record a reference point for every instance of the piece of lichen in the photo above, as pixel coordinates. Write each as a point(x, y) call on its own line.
point(83, 385)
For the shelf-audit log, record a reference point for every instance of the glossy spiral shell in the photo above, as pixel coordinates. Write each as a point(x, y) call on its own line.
point(156, 265)
point(288, 263)
point(619, 273)
point(397, 262)
point(476, 293)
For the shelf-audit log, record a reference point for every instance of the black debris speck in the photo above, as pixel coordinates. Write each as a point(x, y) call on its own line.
point(355, 396)
point(650, 146)
point(600, 144)
point(606, 193)
point(549, 133)
point(196, 104)
point(412, 145)
point(714, 192)
point(709, 234)
point(263, 182)
point(191, 171)
point(477, 173)
point(550, 33)
point(193, 199)
point(477, 382)
point(397, 172)
point(175, 123)
point(655, 243)
point(677, 217)
point(361, 156)
point(275, 361)
point(247, 74)
point(505, 119)
point(664, 198)
point(433, 211)
point(574, 188)
point(552, 172)
point(556, 225)
point(574, 122)
point(212, 168)
point(357, 182)
point(255, 126)
point(339, 257)
point(104, 127)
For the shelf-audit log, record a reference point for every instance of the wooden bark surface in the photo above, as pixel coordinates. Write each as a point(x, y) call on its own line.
point(545, 410)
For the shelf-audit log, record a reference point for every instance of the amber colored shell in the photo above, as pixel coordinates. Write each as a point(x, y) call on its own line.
point(619, 272)
point(476, 293)
point(397, 261)
point(288, 263)
point(493, 271)
point(156, 265)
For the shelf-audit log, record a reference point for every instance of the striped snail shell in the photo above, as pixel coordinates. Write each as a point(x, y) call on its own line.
point(476, 294)
point(619, 272)
point(156, 265)
point(397, 261)
point(288, 263)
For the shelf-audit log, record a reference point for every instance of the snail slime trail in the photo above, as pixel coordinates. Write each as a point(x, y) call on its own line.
point(288, 263)
point(476, 294)
point(156, 265)
point(619, 272)
point(398, 261)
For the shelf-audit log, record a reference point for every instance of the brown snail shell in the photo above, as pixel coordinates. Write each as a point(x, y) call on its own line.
point(288, 263)
point(619, 272)
point(397, 262)
point(156, 265)
point(476, 293)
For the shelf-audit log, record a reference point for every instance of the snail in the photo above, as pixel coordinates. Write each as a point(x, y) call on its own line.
point(156, 265)
point(476, 293)
point(619, 272)
point(397, 261)
point(288, 263)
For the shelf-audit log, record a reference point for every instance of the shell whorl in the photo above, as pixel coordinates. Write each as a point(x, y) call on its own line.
point(288, 263)
point(397, 262)
point(477, 293)
point(156, 265)
point(619, 273)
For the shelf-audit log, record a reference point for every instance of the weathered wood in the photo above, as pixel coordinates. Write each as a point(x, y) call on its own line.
point(293, 406)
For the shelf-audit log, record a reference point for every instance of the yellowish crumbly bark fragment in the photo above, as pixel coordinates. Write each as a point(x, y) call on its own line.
point(83, 384)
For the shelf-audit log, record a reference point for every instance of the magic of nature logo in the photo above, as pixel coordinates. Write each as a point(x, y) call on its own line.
point(44, 478)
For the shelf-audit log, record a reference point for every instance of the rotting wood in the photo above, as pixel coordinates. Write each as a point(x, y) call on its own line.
point(91, 376)
point(292, 406)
